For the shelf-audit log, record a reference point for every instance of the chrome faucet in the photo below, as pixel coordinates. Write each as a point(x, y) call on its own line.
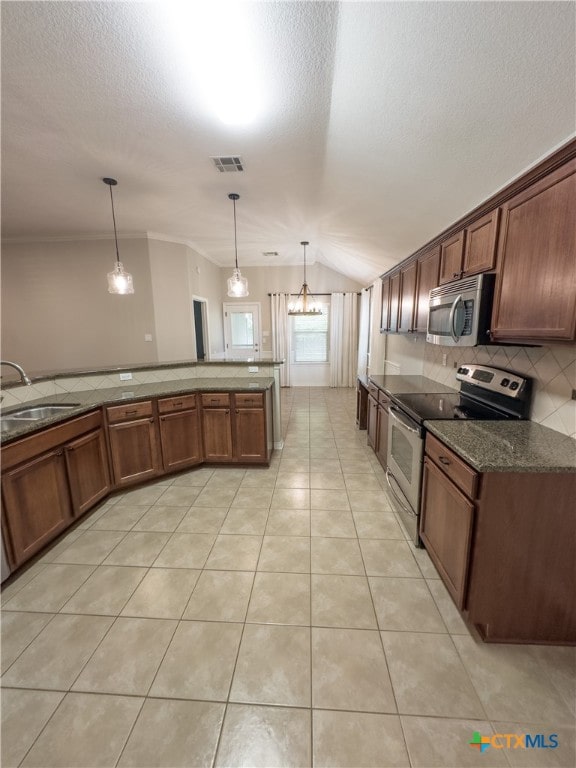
point(24, 378)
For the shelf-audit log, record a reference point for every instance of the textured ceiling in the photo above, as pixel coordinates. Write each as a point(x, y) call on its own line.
point(375, 125)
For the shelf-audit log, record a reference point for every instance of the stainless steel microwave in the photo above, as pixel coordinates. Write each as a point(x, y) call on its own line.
point(459, 313)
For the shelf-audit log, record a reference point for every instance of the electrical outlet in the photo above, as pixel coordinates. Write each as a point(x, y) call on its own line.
point(252, 369)
point(574, 394)
point(444, 359)
point(125, 376)
point(147, 337)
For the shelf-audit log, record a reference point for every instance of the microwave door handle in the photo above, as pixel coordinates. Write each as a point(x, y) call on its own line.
point(393, 411)
point(451, 319)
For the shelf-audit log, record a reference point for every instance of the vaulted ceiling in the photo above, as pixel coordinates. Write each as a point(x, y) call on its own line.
point(363, 127)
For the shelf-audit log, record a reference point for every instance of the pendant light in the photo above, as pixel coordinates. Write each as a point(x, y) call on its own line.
point(119, 281)
point(304, 304)
point(237, 285)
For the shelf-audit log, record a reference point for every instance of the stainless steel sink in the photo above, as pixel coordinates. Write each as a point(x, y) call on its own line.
point(36, 412)
point(29, 414)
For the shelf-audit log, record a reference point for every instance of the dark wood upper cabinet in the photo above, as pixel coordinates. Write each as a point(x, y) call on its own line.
point(480, 247)
point(428, 268)
point(394, 302)
point(535, 296)
point(385, 310)
point(451, 254)
point(407, 295)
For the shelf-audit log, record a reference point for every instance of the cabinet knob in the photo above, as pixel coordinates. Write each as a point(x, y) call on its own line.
point(456, 274)
point(237, 411)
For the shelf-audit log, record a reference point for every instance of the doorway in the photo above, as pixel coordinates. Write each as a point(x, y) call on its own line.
point(200, 319)
point(242, 330)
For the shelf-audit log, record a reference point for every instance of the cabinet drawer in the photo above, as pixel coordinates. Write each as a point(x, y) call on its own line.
point(215, 399)
point(383, 399)
point(171, 404)
point(452, 465)
point(249, 399)
point(373, 390)
point(129, 411)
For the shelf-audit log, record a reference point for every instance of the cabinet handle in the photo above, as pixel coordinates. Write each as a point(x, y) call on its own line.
point(456, 274)
point(135, 410)
point(227, 411)
point(237, 411)
point(444, 460)
point(180, 403)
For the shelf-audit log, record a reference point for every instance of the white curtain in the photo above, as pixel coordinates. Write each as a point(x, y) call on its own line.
point(343, 339)
point(280, 334)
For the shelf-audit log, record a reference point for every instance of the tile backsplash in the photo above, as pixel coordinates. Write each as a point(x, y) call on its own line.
point(553, 370)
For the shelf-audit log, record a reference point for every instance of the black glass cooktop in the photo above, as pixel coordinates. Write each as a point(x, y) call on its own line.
point(445, 406)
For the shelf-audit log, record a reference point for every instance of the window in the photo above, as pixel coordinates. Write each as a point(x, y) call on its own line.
point(310, 337)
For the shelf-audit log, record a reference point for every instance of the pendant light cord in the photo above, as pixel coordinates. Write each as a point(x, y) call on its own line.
point(235, 238)
point(114, 221)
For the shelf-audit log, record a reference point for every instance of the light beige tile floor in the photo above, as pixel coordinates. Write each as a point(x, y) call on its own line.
point(264, 617)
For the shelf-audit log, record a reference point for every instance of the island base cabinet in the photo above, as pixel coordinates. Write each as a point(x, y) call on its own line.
point(217, 433)
point(88, 474)
point(250, 435)
point(445, 529)
point(36, 504)
point(133, 451)
point(180, 440)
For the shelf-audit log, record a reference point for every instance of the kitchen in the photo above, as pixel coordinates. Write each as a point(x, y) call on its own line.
point(81, 327)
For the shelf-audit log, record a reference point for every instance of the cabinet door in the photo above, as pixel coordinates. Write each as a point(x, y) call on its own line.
point(428, 268)
point(250, 435)
point(88, 474)
point(382, 435)
point(395, 282)
point(217, 434)
point(446, 529)
point(372, 424)
point(480, 250)
point(36, 504)
point(536, 282)
point(451, 253)
point(180, 439)
point(407, 293)
point(134, 451)
point(385, 311)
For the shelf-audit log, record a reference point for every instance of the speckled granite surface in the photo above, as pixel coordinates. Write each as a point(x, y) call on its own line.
point(87, 400)
point(404, 385)
point(507, 446)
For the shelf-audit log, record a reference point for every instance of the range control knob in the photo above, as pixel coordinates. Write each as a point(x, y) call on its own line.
point(504, 382)
point(514, 385)
point(463, 370)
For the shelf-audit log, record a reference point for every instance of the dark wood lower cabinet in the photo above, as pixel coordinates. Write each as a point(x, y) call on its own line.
point(36, 503)
point(372, 422)
point(88, 473)
point(504, 543)
point(134, 451)
point(382, 422)
point(446, 529)
point(180, 439)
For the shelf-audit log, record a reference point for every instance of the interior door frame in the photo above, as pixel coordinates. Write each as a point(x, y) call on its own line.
point(226, 306)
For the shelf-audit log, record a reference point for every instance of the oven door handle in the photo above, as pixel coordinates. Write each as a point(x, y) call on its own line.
point(408, 509)
point(451, 318)
point(393, 411)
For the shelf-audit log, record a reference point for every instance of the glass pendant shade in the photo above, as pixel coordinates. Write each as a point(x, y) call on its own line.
point(305, 304)
point(119, 281)
point(237, 285)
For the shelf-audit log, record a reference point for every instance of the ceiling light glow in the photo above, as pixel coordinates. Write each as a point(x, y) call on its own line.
point(216, 49)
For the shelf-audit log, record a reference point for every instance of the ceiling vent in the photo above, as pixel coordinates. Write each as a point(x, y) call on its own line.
point(270, 254)
point(228, 164)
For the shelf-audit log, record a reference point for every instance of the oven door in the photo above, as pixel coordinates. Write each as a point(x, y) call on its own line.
point(404, 473)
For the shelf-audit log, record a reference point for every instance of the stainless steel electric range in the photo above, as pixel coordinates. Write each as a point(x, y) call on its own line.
point(486, 393)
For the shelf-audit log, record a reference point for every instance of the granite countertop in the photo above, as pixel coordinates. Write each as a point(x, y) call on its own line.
point(85, 401)
point(403, 385)
point(507, 446)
